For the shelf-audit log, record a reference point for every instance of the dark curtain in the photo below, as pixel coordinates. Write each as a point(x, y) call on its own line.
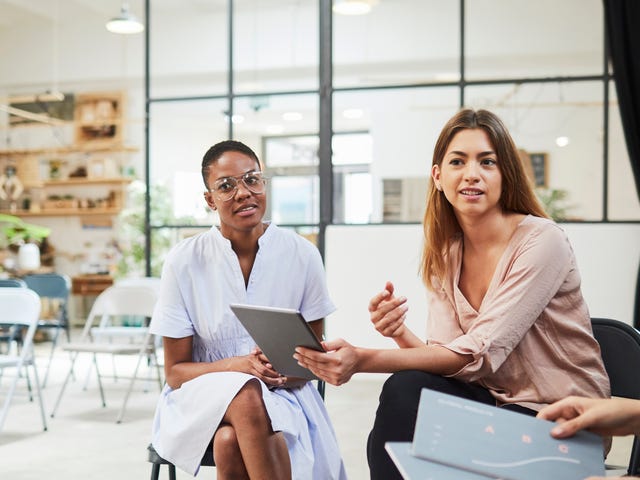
point(623, 29)
point(623, 34)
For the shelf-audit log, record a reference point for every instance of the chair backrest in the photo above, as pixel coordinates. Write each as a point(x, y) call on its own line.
point(620, 349)
point(152, 282)
point(122, 300)
point(12, 282)
point(51, 285)
point(20, 306)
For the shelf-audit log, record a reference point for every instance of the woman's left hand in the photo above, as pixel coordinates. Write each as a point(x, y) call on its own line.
point(335, 366)
point(388, 312)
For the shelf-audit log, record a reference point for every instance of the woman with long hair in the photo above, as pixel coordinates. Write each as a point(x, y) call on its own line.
point(507, 325)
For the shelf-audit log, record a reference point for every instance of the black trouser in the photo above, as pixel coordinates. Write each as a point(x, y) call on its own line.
point(398, 409)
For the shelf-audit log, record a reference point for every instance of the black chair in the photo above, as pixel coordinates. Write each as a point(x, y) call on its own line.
point(156, 460)
point(620, 347)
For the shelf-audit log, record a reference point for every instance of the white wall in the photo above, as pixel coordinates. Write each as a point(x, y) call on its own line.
point(360, 259)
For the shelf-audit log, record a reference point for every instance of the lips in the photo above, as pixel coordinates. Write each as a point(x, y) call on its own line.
point(247, 209)
point(471, 191)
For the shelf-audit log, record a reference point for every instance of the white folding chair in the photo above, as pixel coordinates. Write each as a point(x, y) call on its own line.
point(116, 302)
point(21, 308)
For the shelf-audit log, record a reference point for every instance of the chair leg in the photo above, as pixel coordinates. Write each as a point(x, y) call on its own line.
point(128, 392)
point(155, 471)
point(64, 384)
point(39, 392)
point(99, 378)
point(7, 401)
point(54, 342)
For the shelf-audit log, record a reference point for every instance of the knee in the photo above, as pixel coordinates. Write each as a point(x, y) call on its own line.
point(226, 453)
point(248, 403)
point(401, 390)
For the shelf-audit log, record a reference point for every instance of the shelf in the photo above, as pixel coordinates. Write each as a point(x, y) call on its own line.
point(85, 181)
point(65, 212)
point(69, 149)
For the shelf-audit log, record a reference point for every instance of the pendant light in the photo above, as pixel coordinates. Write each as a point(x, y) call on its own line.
point(125, 23)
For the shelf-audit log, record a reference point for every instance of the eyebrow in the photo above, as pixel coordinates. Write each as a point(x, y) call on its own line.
point(464, 154)
point(236, 176)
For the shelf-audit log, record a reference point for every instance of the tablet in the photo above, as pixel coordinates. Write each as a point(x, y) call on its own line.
point(278, 331)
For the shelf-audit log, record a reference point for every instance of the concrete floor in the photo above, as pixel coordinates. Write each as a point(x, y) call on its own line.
point(83, 441)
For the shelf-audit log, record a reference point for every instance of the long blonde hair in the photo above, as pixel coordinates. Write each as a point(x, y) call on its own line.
point(440, 224)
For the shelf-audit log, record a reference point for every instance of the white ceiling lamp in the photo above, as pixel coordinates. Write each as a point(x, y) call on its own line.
point(352, 7)
point(125, 23)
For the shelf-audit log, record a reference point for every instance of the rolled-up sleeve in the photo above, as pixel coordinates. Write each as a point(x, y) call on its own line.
point(522, 287)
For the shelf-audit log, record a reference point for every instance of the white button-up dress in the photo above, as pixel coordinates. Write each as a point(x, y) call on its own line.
point(200, 278)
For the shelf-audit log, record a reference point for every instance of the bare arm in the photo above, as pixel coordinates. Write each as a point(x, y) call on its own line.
point(180, 368)
point(342, 360)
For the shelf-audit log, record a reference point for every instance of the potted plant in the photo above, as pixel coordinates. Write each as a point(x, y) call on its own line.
point(15, 232)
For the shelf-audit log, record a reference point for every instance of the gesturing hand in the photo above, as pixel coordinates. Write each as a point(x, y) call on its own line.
point(388, 312)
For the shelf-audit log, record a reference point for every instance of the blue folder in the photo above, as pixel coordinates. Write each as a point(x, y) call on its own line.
point(496, 443)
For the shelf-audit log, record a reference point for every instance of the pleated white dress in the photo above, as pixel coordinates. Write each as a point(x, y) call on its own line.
point(200, 278)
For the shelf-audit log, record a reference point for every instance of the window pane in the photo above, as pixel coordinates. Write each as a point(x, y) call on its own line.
point(270, 115)
point(623, 198)
point(404, 41)
point(180, 134)
point(402, 126)
point(275, 45)
point(521, 38)
point(562, 122)
point(188, 48)
point(295, 199)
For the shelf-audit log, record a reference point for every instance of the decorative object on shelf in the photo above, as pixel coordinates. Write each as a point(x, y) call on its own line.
point(10, 187)
point(14, 234)
point(55, 169)
point(28, 257)
point(98, 118)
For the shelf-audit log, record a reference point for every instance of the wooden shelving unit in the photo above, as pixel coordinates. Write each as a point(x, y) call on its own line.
point(53, 177)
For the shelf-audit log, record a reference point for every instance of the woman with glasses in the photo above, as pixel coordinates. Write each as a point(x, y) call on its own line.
point(220, 388)
point(507, 325)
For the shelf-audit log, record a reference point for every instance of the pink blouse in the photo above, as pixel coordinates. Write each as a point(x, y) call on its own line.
point(531, 339)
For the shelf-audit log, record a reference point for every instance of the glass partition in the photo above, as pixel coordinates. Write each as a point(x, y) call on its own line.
point(396, 43)
point(521, 38)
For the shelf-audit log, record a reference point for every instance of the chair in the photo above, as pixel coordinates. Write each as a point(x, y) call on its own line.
point(7, 333)
point(52, 287)
point(20, 307)
point(156, 461)
point(620, 348)
point(115, 301)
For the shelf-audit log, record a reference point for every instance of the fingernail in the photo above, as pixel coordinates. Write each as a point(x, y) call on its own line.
point(557, 431)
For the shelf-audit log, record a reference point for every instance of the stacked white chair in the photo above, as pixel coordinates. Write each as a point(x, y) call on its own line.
point(116, 301)
point(20, 307)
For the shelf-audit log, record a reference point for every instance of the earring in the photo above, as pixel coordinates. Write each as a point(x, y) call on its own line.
point(438, 187)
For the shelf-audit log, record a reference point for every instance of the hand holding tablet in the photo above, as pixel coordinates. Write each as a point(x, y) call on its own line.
point(278, 331)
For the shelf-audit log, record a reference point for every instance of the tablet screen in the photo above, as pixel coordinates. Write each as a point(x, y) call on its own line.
point(278, 331)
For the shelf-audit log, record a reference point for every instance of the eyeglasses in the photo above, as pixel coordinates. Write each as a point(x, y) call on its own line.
point(225, 188)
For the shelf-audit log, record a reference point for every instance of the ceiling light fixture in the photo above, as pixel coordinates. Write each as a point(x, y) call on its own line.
point(126, 23)
point(352, 7)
